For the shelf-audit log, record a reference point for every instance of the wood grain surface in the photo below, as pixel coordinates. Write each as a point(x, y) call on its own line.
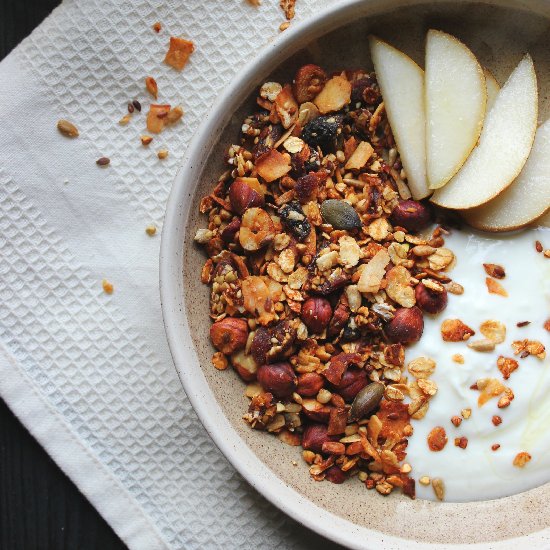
point(40, 508)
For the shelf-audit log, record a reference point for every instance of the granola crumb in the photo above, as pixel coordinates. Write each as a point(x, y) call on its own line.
point(179, 52)
point(547, 253)
point(151, 230)
point(439, 488)
point(461, 442)
point(288, 6)
point(162, 154)
point(466, 413)
point(107, 286)
point(496, 420)
point(454, 330)
point(437, 439)
point(125, 119)
point(521, 459)
point(157, 27)
point(151, 86)
point(424, 480)
point(219, 360)
point(284, 26)
point(146, 140)
point(456, 421)
point(494, 287)
point(458, 358)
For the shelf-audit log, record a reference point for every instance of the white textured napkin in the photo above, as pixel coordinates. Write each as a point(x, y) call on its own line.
point(88, 373)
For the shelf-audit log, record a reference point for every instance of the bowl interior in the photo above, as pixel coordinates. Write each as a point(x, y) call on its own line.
point(499, 34)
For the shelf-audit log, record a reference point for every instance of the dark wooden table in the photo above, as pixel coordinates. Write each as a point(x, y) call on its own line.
point(40, 508)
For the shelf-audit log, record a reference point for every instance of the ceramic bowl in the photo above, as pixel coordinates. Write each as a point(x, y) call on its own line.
point(499, 32)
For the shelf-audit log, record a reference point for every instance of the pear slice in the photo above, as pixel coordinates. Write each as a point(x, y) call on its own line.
point(401, 82)
point(456, 100)
point(493, 88)
point(504, 144)
point(526, 199)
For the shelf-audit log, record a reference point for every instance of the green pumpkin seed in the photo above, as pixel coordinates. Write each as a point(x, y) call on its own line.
point(366, 400)
point(340, 214)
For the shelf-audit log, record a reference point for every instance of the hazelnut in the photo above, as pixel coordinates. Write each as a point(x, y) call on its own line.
point(242, 196)
point(316, 411)
point(316, 314)
point(278, 379)
point(411, 215)
point(245, 366)
point(230, 230)
point(314, 436)
point(229, 335)
point(352, 382)
point(406, 326)
point(335, 475)
point(309, 384)
point(429, 300)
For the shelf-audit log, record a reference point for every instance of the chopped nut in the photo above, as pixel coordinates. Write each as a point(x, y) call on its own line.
point(493, 330)
point(179, 52)
point(219, 360)
point(174, 114)
point(506, 399)
point(461, 442)
point(494, 287)
point(107, 286)
point(67, 128)
point(506, 366)
point(495, 447)
point(283, 26)
point(482, 345)
point(496, 420)
point(456, 421)
point(521, 459)
point(454, 330)
point(495, 270)
point(437, 439)
point(151, 86)
point(162, 154)
point(466, 413)
point(458, 358)
point(151, 230)
point(439, 488)
point(124, 120)
point(145, 140)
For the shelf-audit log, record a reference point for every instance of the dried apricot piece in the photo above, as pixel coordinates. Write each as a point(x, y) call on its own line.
point(179, 52)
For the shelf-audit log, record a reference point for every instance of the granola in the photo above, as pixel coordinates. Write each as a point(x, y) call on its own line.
point(313, 276)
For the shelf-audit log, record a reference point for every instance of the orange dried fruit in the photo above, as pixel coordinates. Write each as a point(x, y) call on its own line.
point(179, 52)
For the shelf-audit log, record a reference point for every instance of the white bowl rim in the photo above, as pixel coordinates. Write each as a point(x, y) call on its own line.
point(295, 505)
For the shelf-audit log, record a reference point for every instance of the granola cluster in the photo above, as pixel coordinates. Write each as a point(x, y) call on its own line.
point(320, 275)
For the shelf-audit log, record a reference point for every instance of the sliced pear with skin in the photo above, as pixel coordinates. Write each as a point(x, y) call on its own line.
point(456, 100)
point(526, 199)
point(504, 144)
point(493, 88)
point(401, 82)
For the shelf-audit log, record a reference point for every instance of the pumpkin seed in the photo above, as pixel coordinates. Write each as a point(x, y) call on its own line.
point(366, 400)
point(340, 214)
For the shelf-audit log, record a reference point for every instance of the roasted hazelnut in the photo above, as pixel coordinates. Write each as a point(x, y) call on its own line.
point(242, 196)
point(411, 215)
point(230, 230)
point(278, 379)
point(316, 314)
point(429, 300)
point(406, 326)
point(308, 82)
point(316, 411)
point(309, 384)
point(335, 475)
point(314, 436)
point(352, 382)
point(229, 335)
point(245, 365)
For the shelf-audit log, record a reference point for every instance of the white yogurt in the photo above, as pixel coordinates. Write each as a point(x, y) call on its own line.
point(477, 472)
